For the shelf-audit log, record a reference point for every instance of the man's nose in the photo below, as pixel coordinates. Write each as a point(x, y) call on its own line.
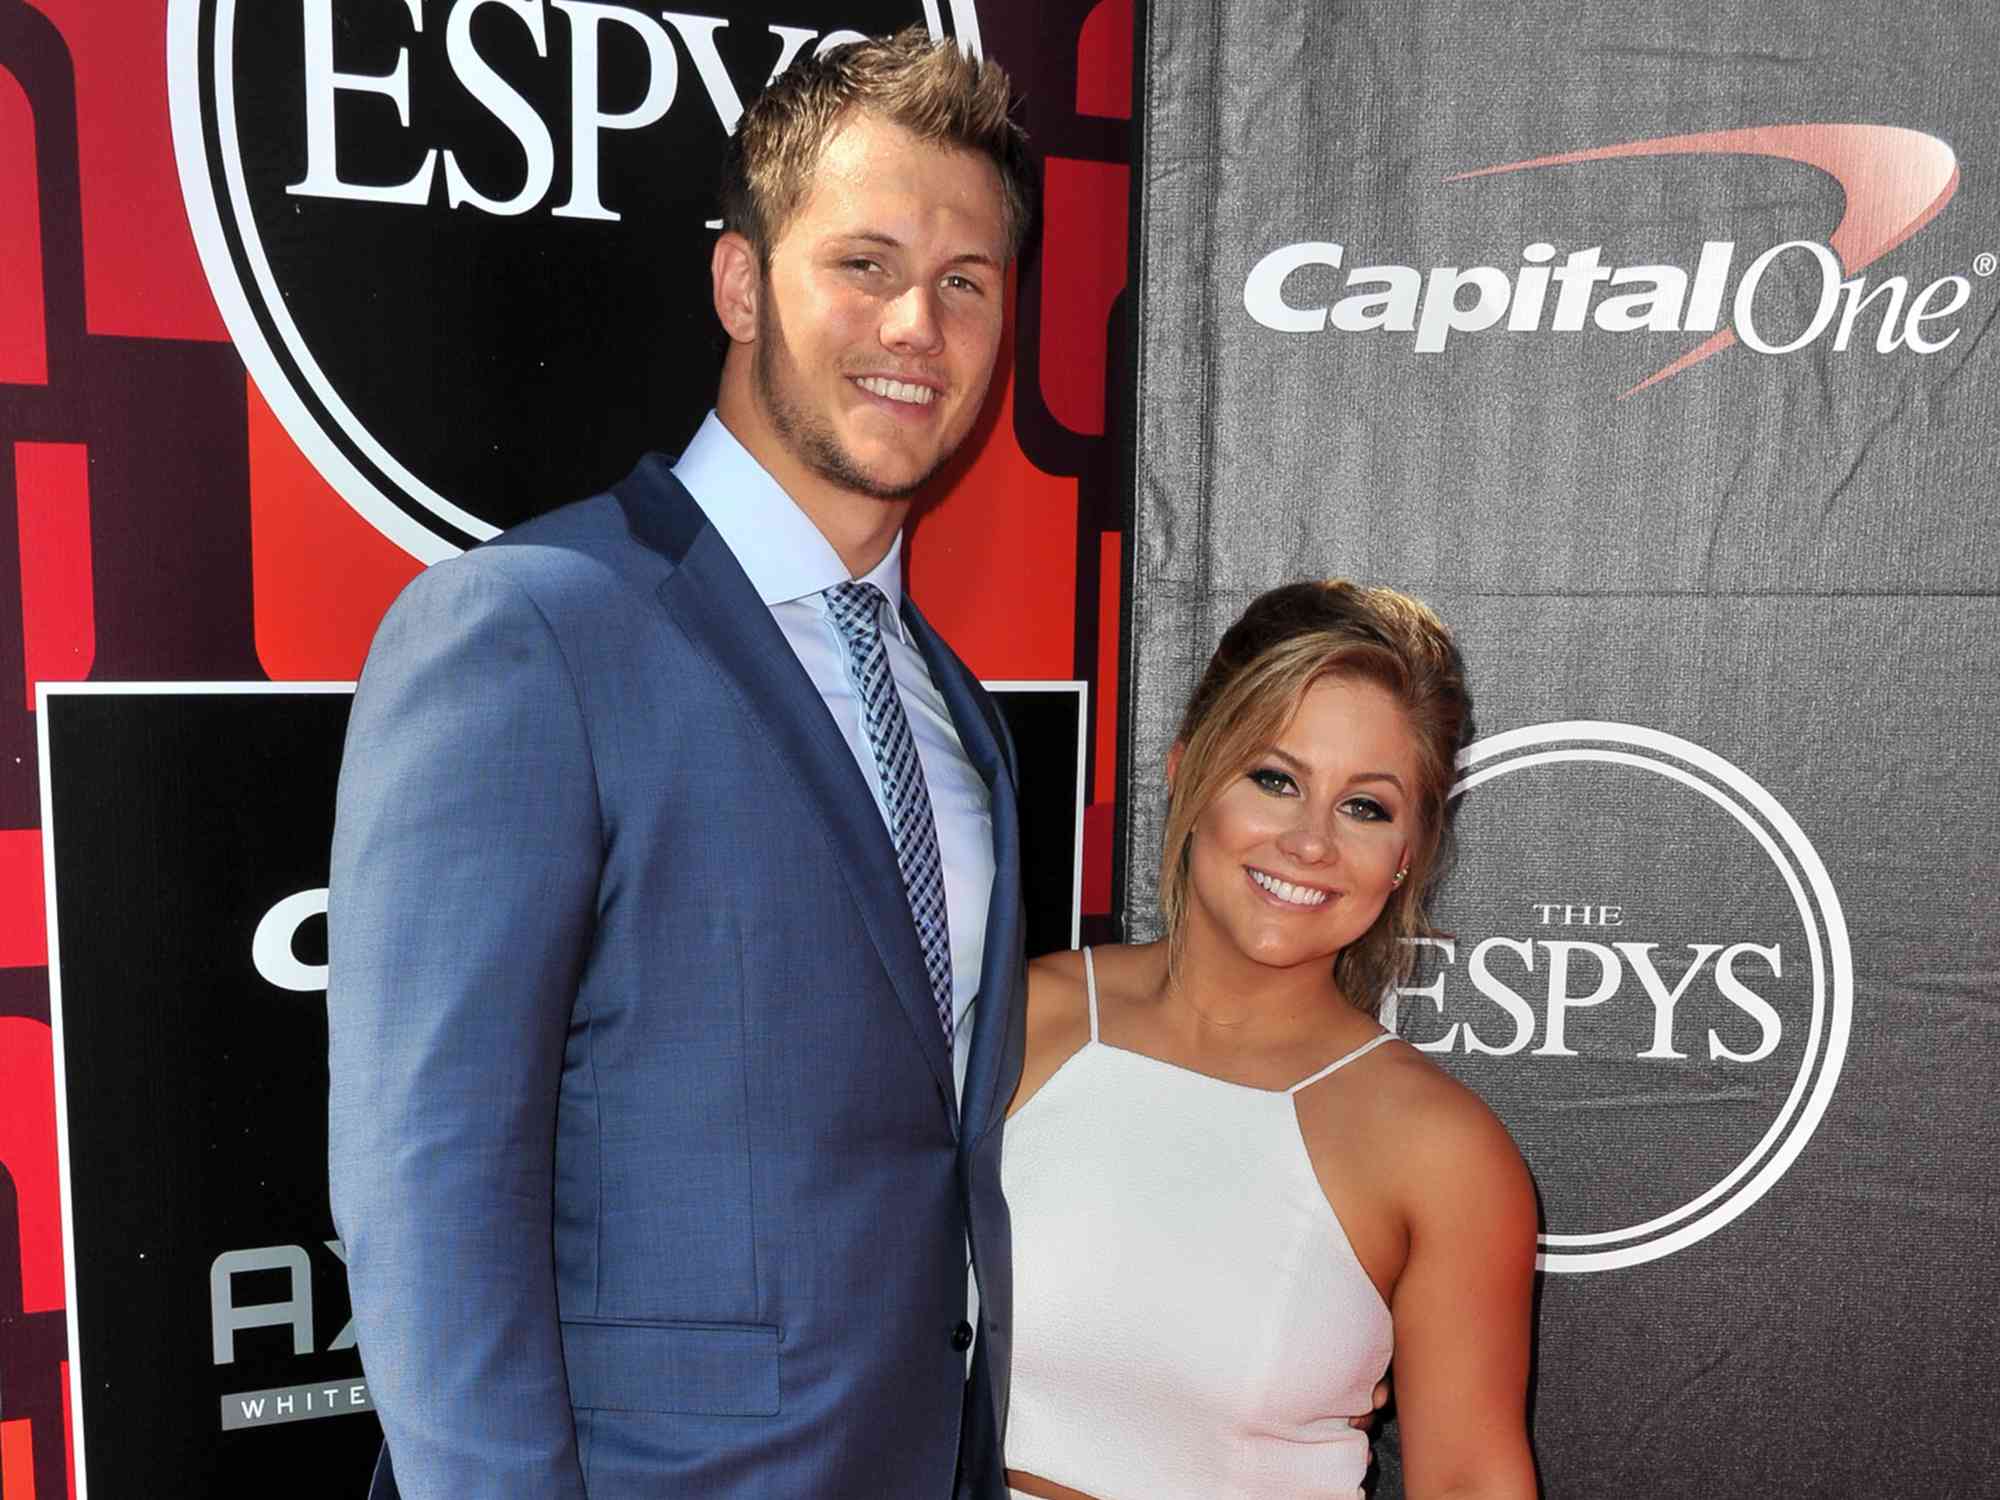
point(910, 323)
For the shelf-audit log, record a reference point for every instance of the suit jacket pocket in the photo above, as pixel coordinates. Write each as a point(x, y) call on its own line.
point(707, 1369)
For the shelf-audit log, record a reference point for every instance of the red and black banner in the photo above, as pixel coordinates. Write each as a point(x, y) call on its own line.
point(299, 297)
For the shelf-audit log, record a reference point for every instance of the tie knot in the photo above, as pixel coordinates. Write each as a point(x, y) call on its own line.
point(856, 608)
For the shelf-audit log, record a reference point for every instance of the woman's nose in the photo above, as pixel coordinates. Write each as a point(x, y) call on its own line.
point(1306, 841)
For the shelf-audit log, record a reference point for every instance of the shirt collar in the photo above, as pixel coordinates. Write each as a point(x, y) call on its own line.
point(785, 556)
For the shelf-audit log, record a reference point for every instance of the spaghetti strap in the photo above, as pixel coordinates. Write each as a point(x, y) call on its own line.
point(1333, 1067)
point(1090, 988)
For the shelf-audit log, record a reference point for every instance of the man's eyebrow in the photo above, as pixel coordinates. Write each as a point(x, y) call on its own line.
point(1298, 765)
point(890, 242)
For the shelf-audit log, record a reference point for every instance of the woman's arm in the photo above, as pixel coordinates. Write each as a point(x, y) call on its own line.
point(1462, 1306)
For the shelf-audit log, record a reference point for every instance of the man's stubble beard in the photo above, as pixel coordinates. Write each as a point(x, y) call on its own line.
point(806, 435)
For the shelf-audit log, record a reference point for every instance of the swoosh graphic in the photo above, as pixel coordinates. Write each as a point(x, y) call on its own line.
point(1895, 182)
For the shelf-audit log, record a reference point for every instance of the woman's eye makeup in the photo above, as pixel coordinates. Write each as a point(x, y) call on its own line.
point(1271, 779)
point(1284, 784)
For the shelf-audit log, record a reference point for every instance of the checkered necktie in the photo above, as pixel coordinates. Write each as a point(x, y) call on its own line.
point(856, 610)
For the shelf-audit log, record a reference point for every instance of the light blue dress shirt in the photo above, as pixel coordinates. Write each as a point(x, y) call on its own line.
point(790, 564)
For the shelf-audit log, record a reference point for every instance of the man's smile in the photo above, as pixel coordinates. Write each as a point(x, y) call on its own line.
point(906, 391)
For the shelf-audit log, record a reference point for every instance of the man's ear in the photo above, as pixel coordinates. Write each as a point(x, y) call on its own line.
point(738, 282)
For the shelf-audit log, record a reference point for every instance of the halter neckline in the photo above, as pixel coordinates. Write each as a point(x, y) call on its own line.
point(1090, 990)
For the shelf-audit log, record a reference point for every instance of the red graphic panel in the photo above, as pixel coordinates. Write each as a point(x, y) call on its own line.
point(993, 564)
point(140, 273)
point(1104, 62)
point(1084, 250)
point(69, 1435)
point(24, 941)
point(1100, 818)
point(58, 608)
point(1110, 621)
point(1099, 829)
point(167, 528)
point(24, 353)
point(321, 576)
point(28, 1152)
point(17, 1461)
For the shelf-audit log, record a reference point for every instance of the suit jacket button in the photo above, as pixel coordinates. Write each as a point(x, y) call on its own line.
point(961, 1336)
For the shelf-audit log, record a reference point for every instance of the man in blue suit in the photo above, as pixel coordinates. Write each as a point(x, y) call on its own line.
point(676, 937)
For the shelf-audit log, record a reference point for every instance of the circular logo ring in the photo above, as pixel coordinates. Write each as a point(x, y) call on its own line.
point(343, 445)
point(1805, 877)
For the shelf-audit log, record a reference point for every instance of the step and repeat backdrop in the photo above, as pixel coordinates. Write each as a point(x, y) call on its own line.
point(1648, 343)
point(1651, 345)
point(296, 298)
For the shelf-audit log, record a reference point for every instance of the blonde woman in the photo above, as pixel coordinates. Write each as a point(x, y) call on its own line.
point(1234, 1193)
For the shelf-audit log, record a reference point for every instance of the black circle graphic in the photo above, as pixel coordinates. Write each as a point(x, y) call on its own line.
point(463, 247)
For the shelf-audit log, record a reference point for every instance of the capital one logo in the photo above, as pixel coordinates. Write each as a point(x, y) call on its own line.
point(1647, 975)
point(1893, 181)
point(462, 245)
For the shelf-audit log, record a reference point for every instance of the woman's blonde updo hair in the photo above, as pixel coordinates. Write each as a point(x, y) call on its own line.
point(1287, 640)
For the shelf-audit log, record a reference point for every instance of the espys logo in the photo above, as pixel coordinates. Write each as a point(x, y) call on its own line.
point(1663, 1022)
point(462, 245)
point(1894, 181)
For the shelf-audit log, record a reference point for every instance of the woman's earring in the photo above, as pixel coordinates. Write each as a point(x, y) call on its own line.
point(1400, 874)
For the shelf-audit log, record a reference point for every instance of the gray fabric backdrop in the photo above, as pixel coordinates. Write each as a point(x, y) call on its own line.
point(1725, 954)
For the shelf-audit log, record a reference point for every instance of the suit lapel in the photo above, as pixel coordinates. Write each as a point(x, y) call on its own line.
point(712, 602)
point(1000, 1010)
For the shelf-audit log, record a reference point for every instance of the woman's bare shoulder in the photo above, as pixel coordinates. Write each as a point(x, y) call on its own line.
point(1058, 980)
point(1058, 1020)
point(1450, 1140)
point(1057, 995)
point(1415, 1121)
point(1434, 1104)
point(1059, 1003)
point(1063, 966)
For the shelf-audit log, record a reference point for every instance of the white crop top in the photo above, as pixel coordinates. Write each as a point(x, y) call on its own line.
point(1190, 1322)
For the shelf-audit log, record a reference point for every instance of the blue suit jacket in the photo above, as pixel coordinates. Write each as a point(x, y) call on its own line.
point(644, 1143)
